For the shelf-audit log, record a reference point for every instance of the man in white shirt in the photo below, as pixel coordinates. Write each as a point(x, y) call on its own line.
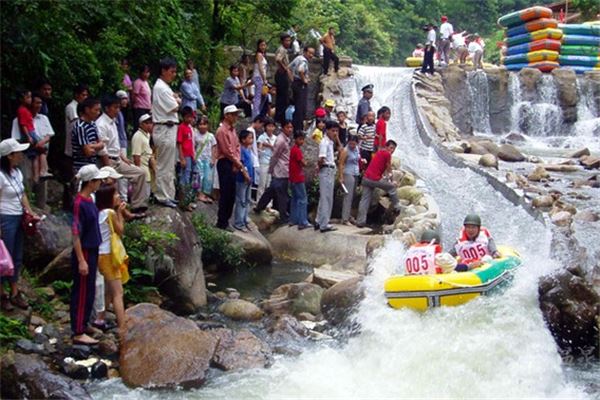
point(165, 105)
point(446, 31)
point(476, 51)
point(429, 50)
point(113, 157)
point(460, 47)
point(326, 177)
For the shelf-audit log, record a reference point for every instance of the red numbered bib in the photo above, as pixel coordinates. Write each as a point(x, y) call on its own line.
point(420, 260)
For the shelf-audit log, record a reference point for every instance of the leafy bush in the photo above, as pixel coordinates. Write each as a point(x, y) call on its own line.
point(140, 240)
point(216, 245)
point(11, 330)
point(63, 290)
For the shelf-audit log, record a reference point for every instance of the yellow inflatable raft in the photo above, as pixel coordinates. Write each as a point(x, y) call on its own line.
point(413, 61)
point(421, 292)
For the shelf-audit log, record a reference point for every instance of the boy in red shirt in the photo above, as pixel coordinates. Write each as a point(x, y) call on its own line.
point(383, 116)
point(298, 208)
point(28, 133)
point(185, 145)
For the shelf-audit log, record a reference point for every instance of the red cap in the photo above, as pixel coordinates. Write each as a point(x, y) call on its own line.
point(444, 18)
point(320, 112)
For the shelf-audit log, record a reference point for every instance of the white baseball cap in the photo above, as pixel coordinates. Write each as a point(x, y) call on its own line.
point(144, 118)
point(122, 94)
point(231, 109)
point(112, 173)
point(9, 146)
point(90, 172)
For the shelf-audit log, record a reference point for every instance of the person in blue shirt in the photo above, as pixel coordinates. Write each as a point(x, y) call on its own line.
point(190, 92)
point(243, 183)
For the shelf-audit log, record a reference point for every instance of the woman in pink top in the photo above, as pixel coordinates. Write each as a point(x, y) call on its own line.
point(141, 96)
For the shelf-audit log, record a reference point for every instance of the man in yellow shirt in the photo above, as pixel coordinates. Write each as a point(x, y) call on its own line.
point(141, 150)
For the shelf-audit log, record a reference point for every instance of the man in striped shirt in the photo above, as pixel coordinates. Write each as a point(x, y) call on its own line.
point(367, 134)
point(85, 141)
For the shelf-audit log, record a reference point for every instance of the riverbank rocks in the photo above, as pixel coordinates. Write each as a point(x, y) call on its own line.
point(295, 299)
point(544, 201)
point(178, 272)
point(409, 193)
point(241, 310)
point(538, 174)
point(28, 377)
point(456, 87)
point(339, 301)
point(52, 237)
point(163, 350)
point(510, 153)
point(432, 101)
point(256, 247)
point(590, 162)
point(497, 79)
point(240, 350)
point(561, 218)
point(579, 153)
point(344, 249)
point(488, 161)
point(570, 307)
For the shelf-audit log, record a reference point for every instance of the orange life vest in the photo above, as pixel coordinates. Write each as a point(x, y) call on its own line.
point(473, 250)
point(420, 259)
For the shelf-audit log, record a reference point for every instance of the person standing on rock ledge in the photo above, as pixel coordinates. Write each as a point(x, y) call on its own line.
point(283, 76)
point(376, 177)
point(300, 71)
point(364, 104)
point(228, 156)
point(327, 174)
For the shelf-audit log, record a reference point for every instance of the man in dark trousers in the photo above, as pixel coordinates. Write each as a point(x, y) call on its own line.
point(299, 68)
point(429, 50)
point(364, 104)
point(329, 55)
point(283, 76)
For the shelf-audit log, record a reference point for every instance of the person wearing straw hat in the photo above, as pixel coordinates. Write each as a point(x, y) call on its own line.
point(84, 259)
point(13, 202)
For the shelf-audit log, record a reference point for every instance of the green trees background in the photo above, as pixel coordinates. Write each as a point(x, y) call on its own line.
point(72, 41)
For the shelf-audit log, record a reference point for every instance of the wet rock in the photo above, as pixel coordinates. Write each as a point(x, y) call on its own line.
point(256, 247)
point(58, 268)
point(529, 78)
point(240, 350)
point(306, 317)
point(107, 348)
point(538, 174)
point(37, 321)
point(27, 346)
point(339, 301)
point(570, 307)
point(241, 310)
point(514, 137)
point(510, 153)
point(477, 148)
point(75, 371)
point(489, 161)
point(545, 201)
point(407, 179)
point(52, 237)
point(179, 272)
point(207, 325)
point(51, 331)
point(565, 80)
point(160, 349)
point(27, 376)
point(79, 351)
point(295, 298)
point(490, 146)
point(590, 162)
point(587, 216)
point(456, 87)
point(499, 108)
point(374, 244)
point(326, 277)
point(579, 153)
point(285, 328)
point(562, 218)
point(99, 370)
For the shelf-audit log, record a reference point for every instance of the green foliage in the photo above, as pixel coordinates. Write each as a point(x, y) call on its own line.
point(217, 248)
point(63, 290)
point(589, 8)
point(42, 304)
point(12, 330)
point(140, 240)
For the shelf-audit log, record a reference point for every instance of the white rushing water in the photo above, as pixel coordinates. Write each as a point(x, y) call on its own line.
point(492, 347)
point(480, 108)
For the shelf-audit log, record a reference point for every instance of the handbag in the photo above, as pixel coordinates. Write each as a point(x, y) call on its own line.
point(7, 268)
point(118, 253)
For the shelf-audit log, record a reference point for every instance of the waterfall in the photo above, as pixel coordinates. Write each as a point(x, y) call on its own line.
point(543, 116)
point(480, 110)
point(586, 131)
point(492, 347)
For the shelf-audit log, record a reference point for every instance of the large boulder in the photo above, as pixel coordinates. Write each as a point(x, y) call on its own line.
point(178, 272)
point(489, 161)
point(410, 193)
point(241, 310)
point(28, 377)
point(510, 153)
point(295, 298)
point(500, 106)
point(52, 237)
point(339, 301)
point(538, 174)
point(529, 78)
point(256, 247)
point(457, 88)
point(161, 349)
point(571, 307)
point(565, 80)
point(344, 248)
point(59, 268)
point(240, 350)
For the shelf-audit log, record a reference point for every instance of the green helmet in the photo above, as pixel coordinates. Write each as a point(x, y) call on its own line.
point(430, 235)
point(472, 219)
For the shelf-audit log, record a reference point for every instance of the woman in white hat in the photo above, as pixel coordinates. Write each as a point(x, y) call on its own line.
point(13, 202)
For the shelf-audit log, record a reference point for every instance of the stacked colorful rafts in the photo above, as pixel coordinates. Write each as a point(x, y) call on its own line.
point(580, 48)
point(532, 39)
